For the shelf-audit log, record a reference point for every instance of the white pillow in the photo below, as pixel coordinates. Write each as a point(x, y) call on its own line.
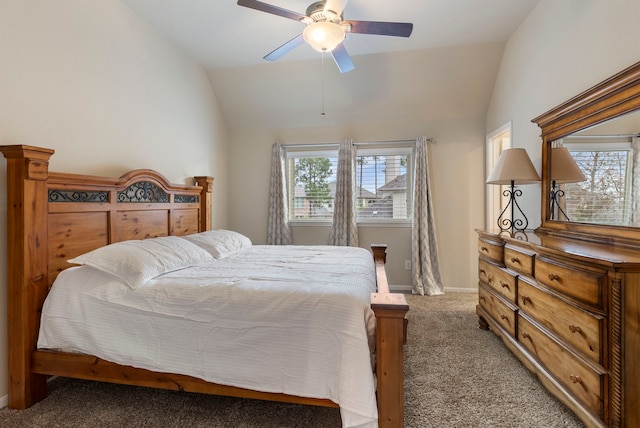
point(219, 242)
point(135, 262)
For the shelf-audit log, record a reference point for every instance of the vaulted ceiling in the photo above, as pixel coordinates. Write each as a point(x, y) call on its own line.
point(446, 69)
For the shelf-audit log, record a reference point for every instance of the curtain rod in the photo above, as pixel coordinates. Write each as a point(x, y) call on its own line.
point(310, 146)
point(325, 145)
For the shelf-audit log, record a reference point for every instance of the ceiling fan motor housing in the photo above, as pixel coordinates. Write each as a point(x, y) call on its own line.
point(316, 11)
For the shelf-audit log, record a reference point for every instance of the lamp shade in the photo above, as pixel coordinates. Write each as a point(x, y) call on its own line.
point(564, 168)
point(513, 165)
point(323, 36)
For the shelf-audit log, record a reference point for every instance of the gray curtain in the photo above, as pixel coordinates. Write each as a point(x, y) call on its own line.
point(278, 231)
point(344, 230)
point(425, 266)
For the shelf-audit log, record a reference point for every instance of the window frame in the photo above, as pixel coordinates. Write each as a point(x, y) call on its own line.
point(495, 200)
point(331, 152)
point(362, 149)
point(392, 149)
point(608, 144)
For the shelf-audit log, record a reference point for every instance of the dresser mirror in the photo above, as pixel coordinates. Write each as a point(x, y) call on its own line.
point(605, 189)
point(600, 129)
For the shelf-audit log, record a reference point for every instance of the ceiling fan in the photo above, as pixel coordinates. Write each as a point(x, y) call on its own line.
point(326, 29)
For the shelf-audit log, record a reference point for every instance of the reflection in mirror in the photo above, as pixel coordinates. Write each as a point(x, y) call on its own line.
point(564, 170)
point(609, 190)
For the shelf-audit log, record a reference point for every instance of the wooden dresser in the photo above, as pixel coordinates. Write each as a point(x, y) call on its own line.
point(570, 311)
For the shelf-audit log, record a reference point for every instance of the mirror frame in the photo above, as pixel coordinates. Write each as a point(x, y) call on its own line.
point(616, 96)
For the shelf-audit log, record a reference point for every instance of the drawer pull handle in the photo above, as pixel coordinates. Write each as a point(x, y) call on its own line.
point(554, 277)
point(515, 260)
point(504, 284)
point(484, 249)
point(575, 329)
point(483, 299)
point(504, 317)
point(526, 335)
point(575, 379)
point(526, 299)
point(482, 271)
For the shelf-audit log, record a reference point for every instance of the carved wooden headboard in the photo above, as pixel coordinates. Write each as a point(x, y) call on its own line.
point(85, 213)
point(52, 217)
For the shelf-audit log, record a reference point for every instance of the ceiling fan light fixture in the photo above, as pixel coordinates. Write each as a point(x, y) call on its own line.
point(323, 36)
point(326, 29)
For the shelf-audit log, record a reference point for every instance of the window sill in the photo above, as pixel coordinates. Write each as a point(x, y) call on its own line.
point(368, 223)
point(378, 223)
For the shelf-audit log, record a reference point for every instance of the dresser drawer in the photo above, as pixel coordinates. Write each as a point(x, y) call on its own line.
point(580, 284)
point(498, 279)
point(490, 250)
point(519, 260)
point(580, 329)
point(587, 383)
point(499, 310)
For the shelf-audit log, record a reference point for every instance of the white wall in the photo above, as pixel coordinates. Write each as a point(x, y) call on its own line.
point(562, 49)
point(456, 159)
point(439, 93)
point(91, 81)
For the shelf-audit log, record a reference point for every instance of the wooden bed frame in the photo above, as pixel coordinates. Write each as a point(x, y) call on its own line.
point(52, 217)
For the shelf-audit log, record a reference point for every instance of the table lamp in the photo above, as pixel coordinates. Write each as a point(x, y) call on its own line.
point(513, 167)
point(564, 169)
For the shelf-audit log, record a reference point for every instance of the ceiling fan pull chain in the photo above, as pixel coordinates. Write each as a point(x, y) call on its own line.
point(322, 86)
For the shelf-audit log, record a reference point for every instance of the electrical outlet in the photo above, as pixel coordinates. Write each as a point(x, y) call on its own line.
point(407, 264)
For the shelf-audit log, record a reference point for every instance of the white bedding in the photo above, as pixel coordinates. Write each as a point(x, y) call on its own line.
point(285, 319)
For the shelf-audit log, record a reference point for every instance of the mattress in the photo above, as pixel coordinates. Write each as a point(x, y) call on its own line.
point(283, 319)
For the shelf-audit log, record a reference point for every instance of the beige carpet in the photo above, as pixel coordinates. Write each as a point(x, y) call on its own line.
point(455, 376)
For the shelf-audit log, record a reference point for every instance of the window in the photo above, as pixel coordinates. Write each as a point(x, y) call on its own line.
point(311, 177)
point(298, 202)
point(383, 182)
point(605, 196)
point(496, 142)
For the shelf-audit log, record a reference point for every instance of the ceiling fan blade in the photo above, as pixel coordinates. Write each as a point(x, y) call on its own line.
point(288, 46)
point(398, 29)
point(342, 58)
point(275, 10)
point(336, 5)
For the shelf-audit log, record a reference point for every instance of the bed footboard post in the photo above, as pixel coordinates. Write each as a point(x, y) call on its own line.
point(27, 173)
point(390, 310)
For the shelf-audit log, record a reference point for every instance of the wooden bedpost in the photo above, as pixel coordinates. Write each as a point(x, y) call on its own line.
point(390, 310)
point(27, 172)
point(205, 201)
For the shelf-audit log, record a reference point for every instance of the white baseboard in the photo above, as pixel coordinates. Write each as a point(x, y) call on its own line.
point(460, 290)
point(4, 401)
point(407, 289)
point(400, 289)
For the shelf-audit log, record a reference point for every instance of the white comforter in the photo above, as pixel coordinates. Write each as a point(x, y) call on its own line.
point(284, 319)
